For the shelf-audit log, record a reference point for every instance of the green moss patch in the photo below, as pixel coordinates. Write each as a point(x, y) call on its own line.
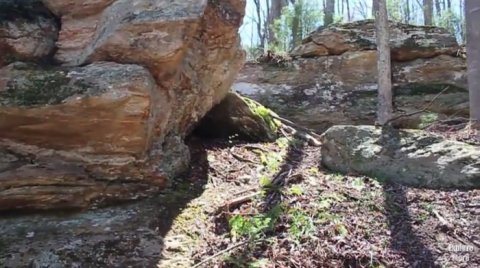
point(42, 87)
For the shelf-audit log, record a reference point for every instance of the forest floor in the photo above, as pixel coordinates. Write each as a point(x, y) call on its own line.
point(273, 205)
point(257, 205)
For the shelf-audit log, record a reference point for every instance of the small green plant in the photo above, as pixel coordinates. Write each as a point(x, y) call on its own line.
point(314, 171)
point(282, 143)
point(427, 119)
point(265, 181)
point(296, 190)
point(341, 229)
point(301, 223)
point(358, 184)
point(271, 161)
point(256, 226)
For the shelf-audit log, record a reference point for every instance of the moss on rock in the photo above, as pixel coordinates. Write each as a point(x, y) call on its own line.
point(242, 117)
point(30, 87)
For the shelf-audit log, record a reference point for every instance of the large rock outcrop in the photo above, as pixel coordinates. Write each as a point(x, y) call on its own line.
point(339, 86)
point(109, 122)
point(410, 157)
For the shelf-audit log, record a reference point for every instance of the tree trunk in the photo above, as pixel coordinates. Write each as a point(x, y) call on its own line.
point(449, 4)
point(329, 12)
point(407, 12)
point(385, 102)
point(374, 7)
point(276, 7)
point(472, 16)
point(296, 24)
point(348, 11)
point(438, 8)
point(428, 12)
point(261, 35)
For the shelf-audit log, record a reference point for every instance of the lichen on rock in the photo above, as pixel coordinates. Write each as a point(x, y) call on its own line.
point(410, 157)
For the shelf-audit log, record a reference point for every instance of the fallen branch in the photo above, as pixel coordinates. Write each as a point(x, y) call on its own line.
point(240, 158)
point(220, 253)
point(443, 221)
point(296, 126)
point(425, 109)
point(237, 202)
point(301, 135)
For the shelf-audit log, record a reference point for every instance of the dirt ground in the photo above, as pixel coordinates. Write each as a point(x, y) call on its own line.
point(257, 205)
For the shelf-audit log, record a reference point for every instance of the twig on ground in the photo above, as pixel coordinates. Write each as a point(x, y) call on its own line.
point(442, 220)
point(237, 201)
point(422, 110)
point(240, 158)
point(253, 147)
point(220, 253)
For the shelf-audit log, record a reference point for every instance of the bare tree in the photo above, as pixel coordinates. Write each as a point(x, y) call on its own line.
point(329, 12)
point(276, 7)
point(472, 16)
point(385, 96)
point(296, 23)
point(428, 12)
point(259, 23)
point(438, 8)
point(406, 17)
point(349, 15)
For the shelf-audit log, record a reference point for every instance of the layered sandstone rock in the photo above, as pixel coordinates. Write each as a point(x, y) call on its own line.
point(407, 42)
point(340, 87)
point(113, 128)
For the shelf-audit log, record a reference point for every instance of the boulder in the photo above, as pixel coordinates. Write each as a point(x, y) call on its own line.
point(76, 130)
point(239, 117)
point(409, 157)
point(109, 124)
point(28, 31)
point(407, 42)
point(329, 89)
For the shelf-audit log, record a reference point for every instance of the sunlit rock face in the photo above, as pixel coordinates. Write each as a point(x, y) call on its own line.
point(410, 157)
point(106, 121)
point(332, 78)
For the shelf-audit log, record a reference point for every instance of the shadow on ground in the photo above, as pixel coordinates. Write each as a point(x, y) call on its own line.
point(403, 235)
point(120, 236)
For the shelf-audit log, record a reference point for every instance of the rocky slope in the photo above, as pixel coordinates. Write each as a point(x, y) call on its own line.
point(332, 77)
point(129, 80)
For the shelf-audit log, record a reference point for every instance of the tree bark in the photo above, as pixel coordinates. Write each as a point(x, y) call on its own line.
point(472, 16)
point(329, 12)
point(374, 7)
point(385, 96)
point(428, 12)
